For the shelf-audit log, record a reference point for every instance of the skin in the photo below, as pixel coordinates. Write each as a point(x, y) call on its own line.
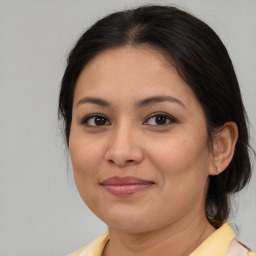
point(168, 216)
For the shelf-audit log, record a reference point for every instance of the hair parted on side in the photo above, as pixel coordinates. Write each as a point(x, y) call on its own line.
point(201, 60)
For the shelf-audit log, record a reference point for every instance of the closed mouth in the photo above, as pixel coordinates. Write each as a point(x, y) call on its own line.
point(124, 186)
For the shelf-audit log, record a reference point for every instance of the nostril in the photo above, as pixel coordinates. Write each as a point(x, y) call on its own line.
point(111, 161)
point(119, 163)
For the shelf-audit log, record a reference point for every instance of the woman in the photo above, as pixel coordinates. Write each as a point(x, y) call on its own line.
point(157, 133)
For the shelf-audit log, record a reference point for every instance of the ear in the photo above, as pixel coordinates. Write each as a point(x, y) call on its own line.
point(224, 143)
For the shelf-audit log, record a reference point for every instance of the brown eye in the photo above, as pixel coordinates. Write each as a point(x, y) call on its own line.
point(159, 120)
point(100, 120)
point(95, 120)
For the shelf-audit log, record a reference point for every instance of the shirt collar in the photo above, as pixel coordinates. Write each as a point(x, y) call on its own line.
point(216, 244)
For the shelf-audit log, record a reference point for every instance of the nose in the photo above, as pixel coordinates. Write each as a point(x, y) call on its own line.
point(124, 147)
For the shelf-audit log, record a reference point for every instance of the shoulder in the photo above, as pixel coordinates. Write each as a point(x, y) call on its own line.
point(237, 249)
point(222, 243)
point(94, 248)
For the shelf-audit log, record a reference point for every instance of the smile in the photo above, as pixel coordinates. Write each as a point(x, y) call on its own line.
point(125, 186)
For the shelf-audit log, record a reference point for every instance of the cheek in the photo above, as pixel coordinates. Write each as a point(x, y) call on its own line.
point(85, 159)
point(182, 161)
point(170, 153)
point(182, 174)
point(84, 152)
point(85, 173)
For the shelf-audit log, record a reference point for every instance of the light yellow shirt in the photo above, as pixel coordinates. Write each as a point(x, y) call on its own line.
point(216, 244)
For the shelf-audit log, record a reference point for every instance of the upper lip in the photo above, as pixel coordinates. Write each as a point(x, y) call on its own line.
point(128, 180)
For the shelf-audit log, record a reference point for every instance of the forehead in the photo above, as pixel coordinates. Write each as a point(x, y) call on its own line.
point(131, 71)
point(133, 60)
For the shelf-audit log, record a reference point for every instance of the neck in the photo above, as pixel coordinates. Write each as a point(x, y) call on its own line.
point(177, 239)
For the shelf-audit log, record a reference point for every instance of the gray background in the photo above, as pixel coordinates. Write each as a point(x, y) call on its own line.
point(41, 212)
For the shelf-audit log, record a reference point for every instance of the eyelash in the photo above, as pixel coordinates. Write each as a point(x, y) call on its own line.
point(167, 116)
point(85, 120)
point(170, 119)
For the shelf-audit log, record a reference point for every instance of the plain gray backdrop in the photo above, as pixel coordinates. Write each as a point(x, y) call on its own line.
point(41, 212)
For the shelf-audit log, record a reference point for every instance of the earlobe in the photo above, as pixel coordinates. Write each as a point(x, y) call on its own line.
point(224, 143)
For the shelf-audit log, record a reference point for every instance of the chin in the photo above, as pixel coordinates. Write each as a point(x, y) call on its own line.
point(129, 227)
point(128, 221)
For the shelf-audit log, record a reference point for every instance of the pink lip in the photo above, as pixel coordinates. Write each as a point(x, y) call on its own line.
point(124, 186)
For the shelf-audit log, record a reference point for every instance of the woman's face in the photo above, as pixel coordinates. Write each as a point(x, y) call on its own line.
point(138, 141)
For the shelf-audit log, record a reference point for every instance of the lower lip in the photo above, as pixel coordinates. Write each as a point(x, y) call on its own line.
point(126, 189)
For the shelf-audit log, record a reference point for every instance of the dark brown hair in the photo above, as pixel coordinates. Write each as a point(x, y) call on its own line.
point(201, 60)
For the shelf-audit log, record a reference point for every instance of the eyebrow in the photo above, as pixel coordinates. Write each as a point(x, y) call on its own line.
point(93, 100)
point(140, 104)
point(157, 99)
